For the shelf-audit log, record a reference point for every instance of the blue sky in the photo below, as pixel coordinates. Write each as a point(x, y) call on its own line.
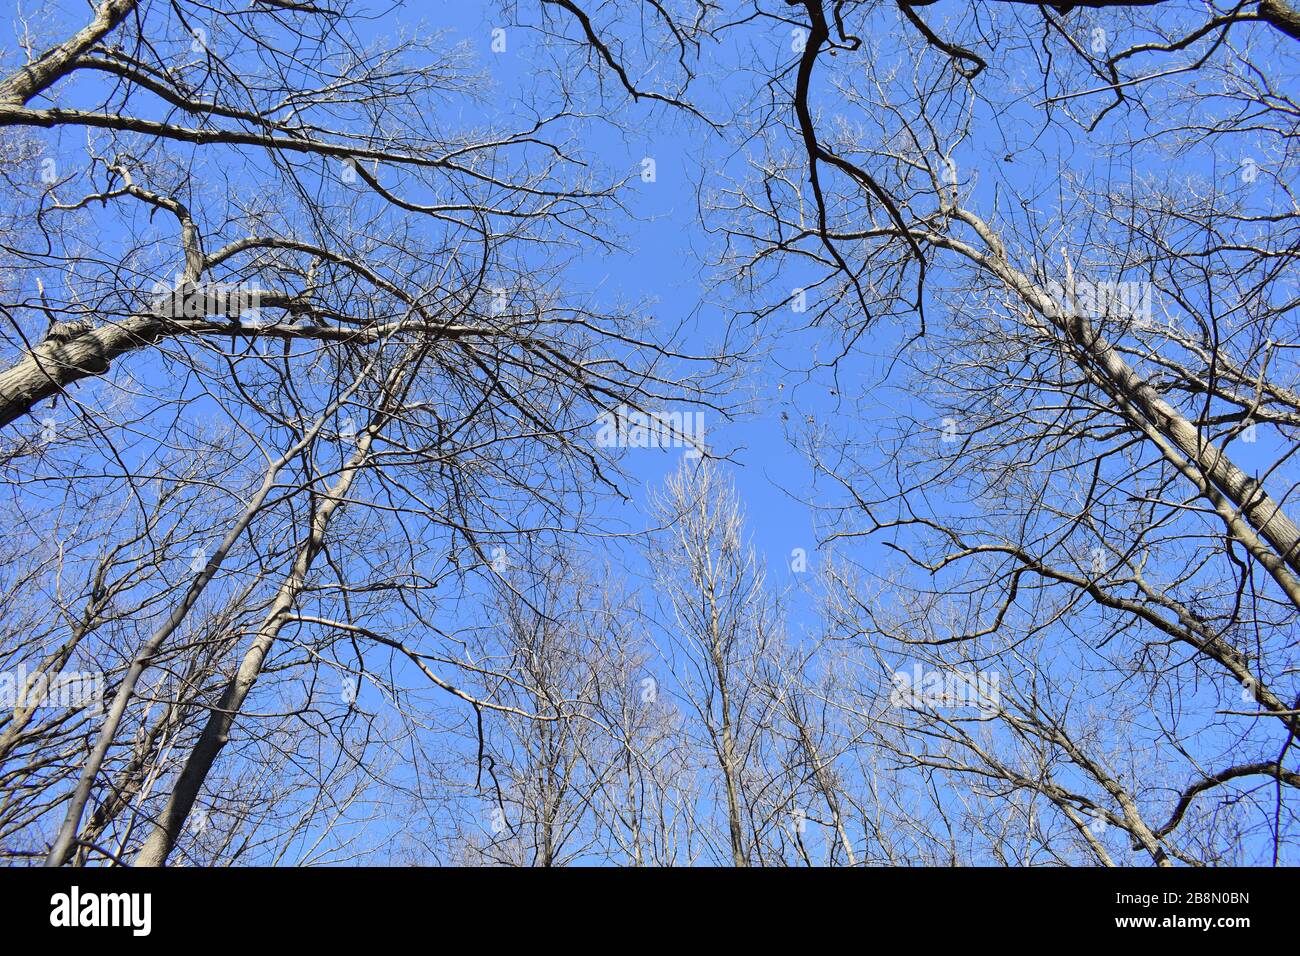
point(664, 269)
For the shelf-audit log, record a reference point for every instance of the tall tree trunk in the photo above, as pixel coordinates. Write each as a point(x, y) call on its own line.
point(167, 829)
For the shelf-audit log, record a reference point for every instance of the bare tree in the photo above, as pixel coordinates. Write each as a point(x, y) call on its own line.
point(298, 396)
point(356, 341)
point(1090, 444)
point(720, 626)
